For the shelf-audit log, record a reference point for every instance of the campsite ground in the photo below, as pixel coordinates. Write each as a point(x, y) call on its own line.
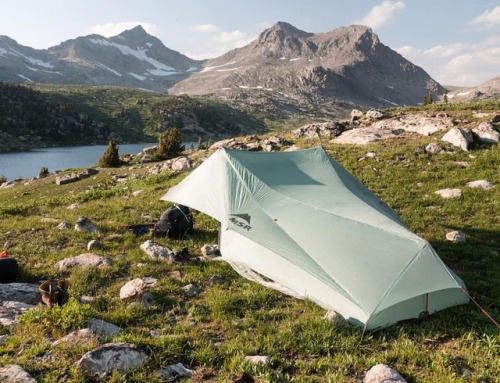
point(212, 332)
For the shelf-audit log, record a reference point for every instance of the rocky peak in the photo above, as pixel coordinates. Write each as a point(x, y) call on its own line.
point(283, 39)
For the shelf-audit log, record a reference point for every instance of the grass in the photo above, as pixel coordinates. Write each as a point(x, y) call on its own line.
point(212, 332)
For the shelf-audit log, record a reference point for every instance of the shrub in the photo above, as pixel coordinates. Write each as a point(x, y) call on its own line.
point(110, 158)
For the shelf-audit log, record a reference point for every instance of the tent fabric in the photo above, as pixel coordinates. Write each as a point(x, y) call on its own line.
point(302, 221)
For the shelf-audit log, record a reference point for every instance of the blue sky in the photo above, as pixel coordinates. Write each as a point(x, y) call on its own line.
point(456, 41)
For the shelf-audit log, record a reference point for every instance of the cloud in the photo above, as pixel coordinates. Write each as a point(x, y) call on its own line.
point(458, 64)
point(205, 28)
point(488, 19)
point(220, 43)
point(113, 29)
point(381, 14)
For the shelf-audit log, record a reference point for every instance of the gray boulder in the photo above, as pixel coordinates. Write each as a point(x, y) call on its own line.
point(449, 193)
point(19, 292)
point(382, 373)
point(486, 132)
point(10, 312)
point(103, 328)
point(13, 373)
point(174, 372)
point(459, 137)
point(84, 260)
point(158, 252)
point(483, 184)
point(135, 289)
point(85, 224)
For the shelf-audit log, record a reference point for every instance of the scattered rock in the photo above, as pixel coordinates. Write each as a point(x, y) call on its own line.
point(258, 359)
point(374, 114)
point(84, 260)
point(158, 252)
point(459, 137)
point(433, 148)
point(382, 373)
point(64, 225)
point(455, 236)
point(111, 357)
point(20, 292)
point(94, 245)
point(334, 317)
point(134, 289)
point(103, 328)
point(174, 372)
point(326, 129)
point(137, 193)
point(190, 290)
point(10, 312)
point(73, 206)
point(177, 275)
point(13, 373)
point(82, 337)
point(483, 184)
point(364, 136)
point(449, 193)
point(210, 250)
point(84, 224)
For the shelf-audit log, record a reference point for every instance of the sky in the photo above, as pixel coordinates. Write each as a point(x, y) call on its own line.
point(457, 42)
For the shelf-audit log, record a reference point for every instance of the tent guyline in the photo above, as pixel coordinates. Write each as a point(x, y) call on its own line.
point(302, 221)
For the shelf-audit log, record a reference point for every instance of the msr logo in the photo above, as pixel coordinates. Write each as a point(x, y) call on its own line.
point(241, 220)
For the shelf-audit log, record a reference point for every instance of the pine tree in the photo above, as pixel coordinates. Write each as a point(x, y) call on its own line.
point(169, 144)
point(110, 157)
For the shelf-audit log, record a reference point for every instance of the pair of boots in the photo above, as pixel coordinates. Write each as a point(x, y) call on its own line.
point(54, 292)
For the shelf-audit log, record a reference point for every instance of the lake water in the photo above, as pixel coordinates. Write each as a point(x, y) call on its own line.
point(28, 164)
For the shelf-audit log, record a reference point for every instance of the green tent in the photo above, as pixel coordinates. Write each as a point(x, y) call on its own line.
point(300, 223)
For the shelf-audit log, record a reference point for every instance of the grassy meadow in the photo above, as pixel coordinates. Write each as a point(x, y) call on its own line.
point(231, 317)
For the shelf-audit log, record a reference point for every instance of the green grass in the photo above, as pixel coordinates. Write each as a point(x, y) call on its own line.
point(212, 332)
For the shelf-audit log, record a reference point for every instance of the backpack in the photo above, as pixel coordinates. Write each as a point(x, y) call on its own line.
point(174, 223)
point(8, 268)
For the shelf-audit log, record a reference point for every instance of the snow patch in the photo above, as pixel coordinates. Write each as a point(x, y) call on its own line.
point(138, 77)
point(149, 45)
point(209, 68)
point(33, 61)
point(162, 69)
point(31, 68)
point(192, 69)
point(463, 94)
point(107, 68)
point(390, 102)
point(295, 59)
point(26, 78)
point(226, 70)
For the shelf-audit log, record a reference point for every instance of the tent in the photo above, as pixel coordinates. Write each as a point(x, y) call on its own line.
point(299, 222)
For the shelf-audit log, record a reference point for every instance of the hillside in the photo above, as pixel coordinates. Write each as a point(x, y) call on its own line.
point(212, 329)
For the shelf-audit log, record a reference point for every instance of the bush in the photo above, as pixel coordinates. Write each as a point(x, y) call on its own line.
point(110, 158)
point(169, 144)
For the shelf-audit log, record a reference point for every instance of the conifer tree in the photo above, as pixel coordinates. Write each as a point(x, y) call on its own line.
point(110, 157)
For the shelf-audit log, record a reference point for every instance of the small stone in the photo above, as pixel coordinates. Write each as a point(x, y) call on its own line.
point(449, 193)
point(334, 317)
point(455, 236)
point(210, 250)
point(15, 374)
point(94, 245)
point(174, 371)
point(382, 373)
point(64, 225)
point(190, 290)
point(433, 148)
point(258, 359)
point(483, 184)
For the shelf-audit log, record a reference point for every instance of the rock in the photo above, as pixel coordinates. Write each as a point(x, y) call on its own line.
point(455, 236)
point(483, 184)
point(258, 359)
point(111, 357)
point(356, 115)
point(190, 290)
point(334, 317)
point(326, 129)
point(433, 148)
point(20, 292)
point(449, 193)
point(158, 252)
point(137, 193)
point(486, 132)
point(292, 148)
point(219, 144)
point(83, 260)
point(64, 225)
point(382, 373)
point(173, 372)
point(181, 164)
point(94, 245)
point(364, 136)
point(73, 206)
point(103, 328)
point(82, 337)
point(416, 123)
point(134, 289)
point(66, 179)
point(177, 275)
point(13, 373)
point(150, 150)
point(210, 250)
point(459, 137)
point(84, 224)
point(10, 312)
point(374, 114)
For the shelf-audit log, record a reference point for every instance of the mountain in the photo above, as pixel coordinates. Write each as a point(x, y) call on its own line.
point(133, 59)
point(346, 64)
point(489, 90)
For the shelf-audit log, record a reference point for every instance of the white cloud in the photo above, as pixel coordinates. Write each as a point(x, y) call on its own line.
point(458, 63)
point(381, 14)
point(113, 29)
point(205, 28)
point(488, 19)
point(221, 43)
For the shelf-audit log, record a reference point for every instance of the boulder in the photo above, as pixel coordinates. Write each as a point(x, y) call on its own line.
point(459, 137)
point(374, 114)
point(455, 236)
point(190, 290)
point(433, 148)
point(84, 224)
point(84, 260)
point(13, 373)
point(19, 292)
point(111, 357)
point(334, 317)
point(382, 373)
point(94, 245)
point(364, 136)
point(64, 225)
point(486, 132)
point(326, 129)
point(134, 289)
point(158, 252)
point(483, 184)
point(82, 337)
point(10, 312)
point(103, 328)
point(449, 193)
point(174, 372)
